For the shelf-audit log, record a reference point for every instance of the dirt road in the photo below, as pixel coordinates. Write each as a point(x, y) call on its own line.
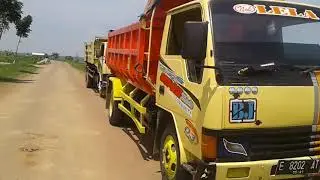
point(52, 128)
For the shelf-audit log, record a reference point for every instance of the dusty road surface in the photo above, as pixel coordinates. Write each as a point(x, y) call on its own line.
point(52, 128)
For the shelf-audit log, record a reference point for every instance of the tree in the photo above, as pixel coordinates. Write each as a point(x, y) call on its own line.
point(55, 55)
point(23, 29)
point(10, 12)
point(70, 58)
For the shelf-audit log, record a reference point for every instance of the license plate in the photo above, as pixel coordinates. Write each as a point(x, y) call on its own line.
point(298, 167)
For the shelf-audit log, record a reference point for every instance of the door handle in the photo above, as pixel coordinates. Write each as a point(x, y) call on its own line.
point(161, 90)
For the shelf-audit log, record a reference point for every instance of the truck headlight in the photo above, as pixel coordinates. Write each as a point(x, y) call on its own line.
point(217, 146)
point(235, 148)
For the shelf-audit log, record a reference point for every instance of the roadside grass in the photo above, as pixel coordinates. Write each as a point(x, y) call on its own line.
point(24, 65)
point(78, 65)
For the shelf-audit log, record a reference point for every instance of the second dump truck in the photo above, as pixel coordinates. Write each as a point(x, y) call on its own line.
point(97, 71)
point(228, 89)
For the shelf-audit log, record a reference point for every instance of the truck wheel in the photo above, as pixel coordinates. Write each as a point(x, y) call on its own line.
point(89, 82)
point(170, 157)
point(102, 93)
point(102, 89)
point(115, 114)
point(108, 94)
point(96, 82)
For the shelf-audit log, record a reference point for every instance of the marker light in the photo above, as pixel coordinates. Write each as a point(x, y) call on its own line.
point(232, 90)
point(254, 90)
point(247, 90)
point(242, 172)
point(240, 90)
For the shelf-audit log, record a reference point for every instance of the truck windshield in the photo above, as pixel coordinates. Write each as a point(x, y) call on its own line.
point(258, 32)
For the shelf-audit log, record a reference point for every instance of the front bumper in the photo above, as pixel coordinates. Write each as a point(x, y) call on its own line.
point(257, 170)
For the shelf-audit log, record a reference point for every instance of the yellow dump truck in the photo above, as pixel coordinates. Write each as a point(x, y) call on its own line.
point(227, 89)
point(97, 71)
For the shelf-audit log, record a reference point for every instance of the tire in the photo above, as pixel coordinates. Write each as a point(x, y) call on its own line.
point(89, 80)
point(169, 143)
point(101, 90)
point(115, 114)
point(96, 82)
point(102, 93)
point(108, 94)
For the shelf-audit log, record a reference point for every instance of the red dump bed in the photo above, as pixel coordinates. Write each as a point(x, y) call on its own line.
point(128, 47)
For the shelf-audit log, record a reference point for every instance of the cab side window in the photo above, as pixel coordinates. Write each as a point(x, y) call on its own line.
point(176, 29)
point(175, 40)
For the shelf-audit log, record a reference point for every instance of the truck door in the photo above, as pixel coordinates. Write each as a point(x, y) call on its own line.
point(180, 83)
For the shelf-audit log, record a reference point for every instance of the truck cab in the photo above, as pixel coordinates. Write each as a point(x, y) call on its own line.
point(245, 94)
point(228, 89)
point(97, 71)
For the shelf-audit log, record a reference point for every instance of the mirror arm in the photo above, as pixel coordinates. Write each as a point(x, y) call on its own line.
point(209, 67)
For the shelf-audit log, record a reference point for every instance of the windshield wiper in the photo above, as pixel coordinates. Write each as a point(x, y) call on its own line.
point(273, 67)
point(256, 69)
point(267, 68)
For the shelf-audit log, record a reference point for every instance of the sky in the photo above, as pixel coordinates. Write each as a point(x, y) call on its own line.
point(64, 25)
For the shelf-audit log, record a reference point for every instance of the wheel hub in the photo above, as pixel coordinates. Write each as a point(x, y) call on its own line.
point(170, 157)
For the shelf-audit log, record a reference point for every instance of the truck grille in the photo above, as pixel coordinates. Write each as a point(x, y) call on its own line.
point(273, 143)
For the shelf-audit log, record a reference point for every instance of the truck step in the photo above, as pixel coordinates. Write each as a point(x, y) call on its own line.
point(140, 127)
point(132, 103)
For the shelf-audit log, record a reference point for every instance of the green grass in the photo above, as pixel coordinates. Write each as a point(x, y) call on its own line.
point(78, 65)
point(24, 65)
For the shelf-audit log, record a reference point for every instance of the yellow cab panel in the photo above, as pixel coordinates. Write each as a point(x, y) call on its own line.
point(265, 60)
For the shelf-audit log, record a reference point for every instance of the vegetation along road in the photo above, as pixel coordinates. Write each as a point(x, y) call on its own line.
point(23, 65)
point(51, 127)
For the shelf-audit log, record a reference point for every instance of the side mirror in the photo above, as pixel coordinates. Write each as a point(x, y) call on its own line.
point(98, 54)
point(194, 42)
